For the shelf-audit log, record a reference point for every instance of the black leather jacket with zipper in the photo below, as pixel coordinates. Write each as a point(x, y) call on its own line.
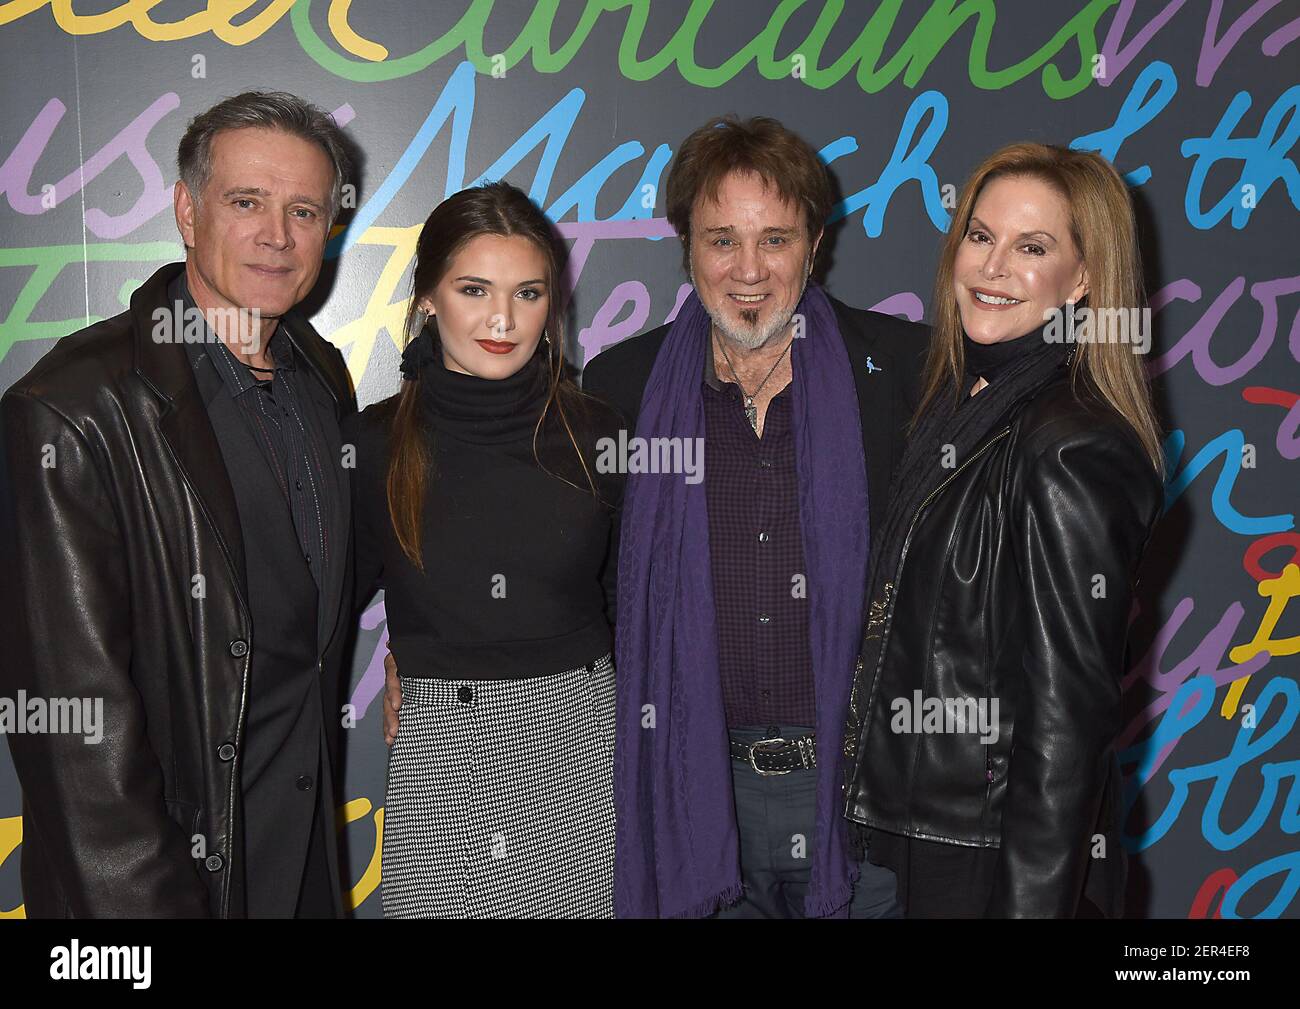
point(1014, 584)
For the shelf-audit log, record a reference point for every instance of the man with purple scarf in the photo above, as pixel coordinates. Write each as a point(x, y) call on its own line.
point(740, 596)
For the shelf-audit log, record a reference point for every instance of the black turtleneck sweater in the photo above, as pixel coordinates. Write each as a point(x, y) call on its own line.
point(519, 566)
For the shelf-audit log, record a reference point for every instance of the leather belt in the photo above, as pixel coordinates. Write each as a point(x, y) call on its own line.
point(777, 755)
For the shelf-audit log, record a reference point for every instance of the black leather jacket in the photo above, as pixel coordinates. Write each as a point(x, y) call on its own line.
point(98, 598)
point(1015, 583)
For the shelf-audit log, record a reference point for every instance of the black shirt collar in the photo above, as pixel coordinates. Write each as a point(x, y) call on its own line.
point(235, 376)
point(710, 370)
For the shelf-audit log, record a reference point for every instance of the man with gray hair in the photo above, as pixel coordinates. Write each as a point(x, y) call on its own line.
point(181, 549)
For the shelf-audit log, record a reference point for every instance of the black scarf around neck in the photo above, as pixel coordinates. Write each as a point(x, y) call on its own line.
point(990, 361)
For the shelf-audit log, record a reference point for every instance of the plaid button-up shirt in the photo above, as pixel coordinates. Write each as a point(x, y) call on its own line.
point(274, 410)
point(756, 550)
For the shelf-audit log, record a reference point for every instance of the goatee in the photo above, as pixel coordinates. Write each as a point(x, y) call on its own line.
point(752, 336)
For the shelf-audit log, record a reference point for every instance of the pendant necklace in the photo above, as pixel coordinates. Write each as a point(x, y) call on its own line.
point(751, 411)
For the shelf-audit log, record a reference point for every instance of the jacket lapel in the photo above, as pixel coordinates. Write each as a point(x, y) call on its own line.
point(879, 402)
point(327, 397)
point(184, 423)
point(322, 406)
point(311, 346)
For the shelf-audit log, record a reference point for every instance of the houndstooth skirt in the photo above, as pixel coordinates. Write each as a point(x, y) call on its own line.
point(500, 799)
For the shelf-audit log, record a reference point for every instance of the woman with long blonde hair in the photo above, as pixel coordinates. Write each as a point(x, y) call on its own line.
point(985, 708)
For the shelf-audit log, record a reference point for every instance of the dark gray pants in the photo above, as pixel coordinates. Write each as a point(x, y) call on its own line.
point(775, 816)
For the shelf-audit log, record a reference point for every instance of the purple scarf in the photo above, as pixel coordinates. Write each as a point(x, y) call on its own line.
point(677, 851)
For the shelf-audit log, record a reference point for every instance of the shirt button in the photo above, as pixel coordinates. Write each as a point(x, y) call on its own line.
point(464, 695)
point(308, 556)
point(213, 863)
point(286, 413)
point(764, 619)
point(298, 484)
point(239, 648)
point(304, 783)
point(226, 752)
point(765, 693)
point(763, 537)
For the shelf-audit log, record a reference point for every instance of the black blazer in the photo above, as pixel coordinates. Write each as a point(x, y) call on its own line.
point(886, 396)
point(98, 602)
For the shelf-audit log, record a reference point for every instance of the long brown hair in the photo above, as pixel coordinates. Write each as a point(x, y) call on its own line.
point(1104, 232)
point(497, 208)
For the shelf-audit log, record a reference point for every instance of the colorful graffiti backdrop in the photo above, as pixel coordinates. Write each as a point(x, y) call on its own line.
point(583, 103)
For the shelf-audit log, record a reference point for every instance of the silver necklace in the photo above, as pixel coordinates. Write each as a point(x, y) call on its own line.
point(751, 411)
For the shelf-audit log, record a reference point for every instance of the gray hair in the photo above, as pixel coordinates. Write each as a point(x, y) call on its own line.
point(274, 110)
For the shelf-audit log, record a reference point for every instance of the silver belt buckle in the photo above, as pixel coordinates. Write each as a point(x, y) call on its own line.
point(754, 749)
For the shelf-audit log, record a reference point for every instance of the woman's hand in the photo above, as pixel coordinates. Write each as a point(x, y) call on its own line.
point(392, 698)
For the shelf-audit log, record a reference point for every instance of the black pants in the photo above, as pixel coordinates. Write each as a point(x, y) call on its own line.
point(775, 817)
point(315, 896)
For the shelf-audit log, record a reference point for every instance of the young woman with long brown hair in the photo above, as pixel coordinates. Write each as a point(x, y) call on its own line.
point(481, 513)
point(986, 704)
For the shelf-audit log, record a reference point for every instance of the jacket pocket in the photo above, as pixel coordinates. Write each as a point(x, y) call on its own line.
point(186, 816)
